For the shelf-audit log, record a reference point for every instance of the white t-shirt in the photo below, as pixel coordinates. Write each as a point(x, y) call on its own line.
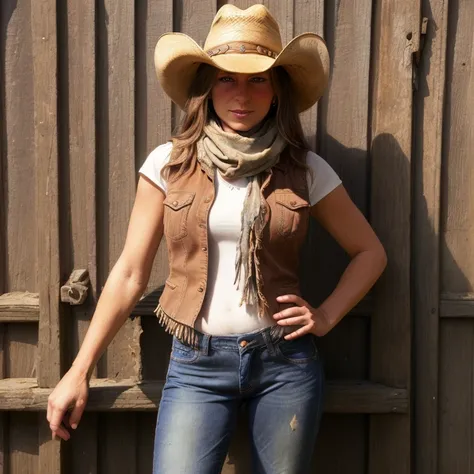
point(221, 313)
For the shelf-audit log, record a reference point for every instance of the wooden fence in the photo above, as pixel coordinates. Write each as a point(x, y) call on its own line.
point(80, 109)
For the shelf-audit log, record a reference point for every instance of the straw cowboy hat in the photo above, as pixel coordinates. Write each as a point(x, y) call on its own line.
point(243, 41)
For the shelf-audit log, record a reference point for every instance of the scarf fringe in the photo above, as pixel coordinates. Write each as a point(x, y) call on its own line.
point(183, 332)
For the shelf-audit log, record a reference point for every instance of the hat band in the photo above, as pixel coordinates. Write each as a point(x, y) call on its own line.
point(238, 47)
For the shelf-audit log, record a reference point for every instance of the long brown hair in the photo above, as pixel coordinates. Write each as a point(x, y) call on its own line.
point(199, 110)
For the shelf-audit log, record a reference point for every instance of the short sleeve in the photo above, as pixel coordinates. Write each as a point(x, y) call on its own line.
point(323, 178)
point(155, 162)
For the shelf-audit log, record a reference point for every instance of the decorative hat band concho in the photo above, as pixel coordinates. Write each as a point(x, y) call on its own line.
point(242, 48)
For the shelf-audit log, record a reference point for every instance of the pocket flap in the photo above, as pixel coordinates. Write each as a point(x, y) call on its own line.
point(291, 201)
point(178, 199)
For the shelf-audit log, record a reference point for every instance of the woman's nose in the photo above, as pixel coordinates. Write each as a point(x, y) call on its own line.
point(242, 91)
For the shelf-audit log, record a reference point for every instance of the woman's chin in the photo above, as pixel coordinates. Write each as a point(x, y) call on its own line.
point(240, 126)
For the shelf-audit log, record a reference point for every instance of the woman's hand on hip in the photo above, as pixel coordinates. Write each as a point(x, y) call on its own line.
point(312, 320)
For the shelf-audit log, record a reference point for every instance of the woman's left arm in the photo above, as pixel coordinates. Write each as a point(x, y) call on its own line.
point(343, 220)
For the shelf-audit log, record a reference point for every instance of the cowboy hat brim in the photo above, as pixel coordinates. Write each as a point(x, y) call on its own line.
point(306, 59)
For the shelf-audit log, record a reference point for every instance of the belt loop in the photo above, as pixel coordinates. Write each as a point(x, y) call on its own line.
point(270, 343)
point(204, 344)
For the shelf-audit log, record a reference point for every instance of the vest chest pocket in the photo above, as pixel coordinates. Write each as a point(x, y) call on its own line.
point(290, 209)
point(177, 205)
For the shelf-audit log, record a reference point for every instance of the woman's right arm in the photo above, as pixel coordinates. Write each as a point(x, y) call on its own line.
point(125, 285)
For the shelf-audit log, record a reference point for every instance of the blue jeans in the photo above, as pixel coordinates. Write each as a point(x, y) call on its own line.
point(281, 383)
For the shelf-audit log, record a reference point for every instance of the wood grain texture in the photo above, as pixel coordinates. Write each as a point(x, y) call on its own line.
point(19, 306)
point(117, 451)
point(343, 396)
point(49, 370)
point(3, 157)
point(44, 38)
point(457, 308)
point(146, 423)
point(456, 395)
point(23, 443)
point(395, 39)
point(19, 149)
point(457, 253)
point(116, 163)
point(84, 445)
point(153, 107)
point(283, 12)
point(21, 350)
point(309, 17)
point(4, 469)
point(341, 455)
point(428, 110)
point(78, 153)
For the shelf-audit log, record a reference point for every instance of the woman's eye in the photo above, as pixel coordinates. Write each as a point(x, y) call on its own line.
point(226, 79)
point(258, 79)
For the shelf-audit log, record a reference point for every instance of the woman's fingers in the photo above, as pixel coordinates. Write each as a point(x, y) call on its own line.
point(61, 432)
point(77, 412)
point(296, 321)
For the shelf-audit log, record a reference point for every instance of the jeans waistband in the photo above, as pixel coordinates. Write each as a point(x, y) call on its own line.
point(268, 337)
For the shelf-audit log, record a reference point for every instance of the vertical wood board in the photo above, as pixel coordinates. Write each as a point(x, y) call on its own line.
point(19, 148)
point(458, 178)
point(428, 114)
point(395, 39)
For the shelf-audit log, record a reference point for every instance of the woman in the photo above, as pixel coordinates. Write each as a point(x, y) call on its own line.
point(233, 193)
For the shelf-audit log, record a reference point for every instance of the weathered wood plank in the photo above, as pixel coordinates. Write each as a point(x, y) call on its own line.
point(106, 394)
point(457, 253)
point(78, 65)
point(21, 353)
point(23, 443)
point(49, 370)
point(429, 101)
point(3, 416)
point(84, 446)
point(116, 163)
point(456, 348)
point(395, 39)
point(146, 423)
point(19, 149)
point(43, 20)
point(78, 86)
point(457, 308)
point(19, 306)
point(153, 107)
point(309, 17)
point(283, 12)
point(194, 19)
point(3, 157)
point(4, 467)
point(118, 450)
point(341, 455)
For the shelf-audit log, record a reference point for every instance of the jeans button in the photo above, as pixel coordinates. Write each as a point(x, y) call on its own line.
point(243, 343)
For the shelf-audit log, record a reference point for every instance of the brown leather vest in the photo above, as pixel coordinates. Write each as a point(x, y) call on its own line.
point(186, 211)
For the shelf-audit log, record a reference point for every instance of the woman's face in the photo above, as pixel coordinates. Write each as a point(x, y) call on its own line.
point(242, 100)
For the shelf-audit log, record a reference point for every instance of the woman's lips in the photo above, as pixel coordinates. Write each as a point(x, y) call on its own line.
point(241, 113)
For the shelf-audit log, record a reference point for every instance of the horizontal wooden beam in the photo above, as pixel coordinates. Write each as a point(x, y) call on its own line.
point(457, 306)
point(125, 395)
point(23, 307)
point(19, 307)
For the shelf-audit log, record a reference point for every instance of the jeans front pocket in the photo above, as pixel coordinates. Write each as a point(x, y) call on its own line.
point(176, 209)
point(298, 351)
point(181, 352)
